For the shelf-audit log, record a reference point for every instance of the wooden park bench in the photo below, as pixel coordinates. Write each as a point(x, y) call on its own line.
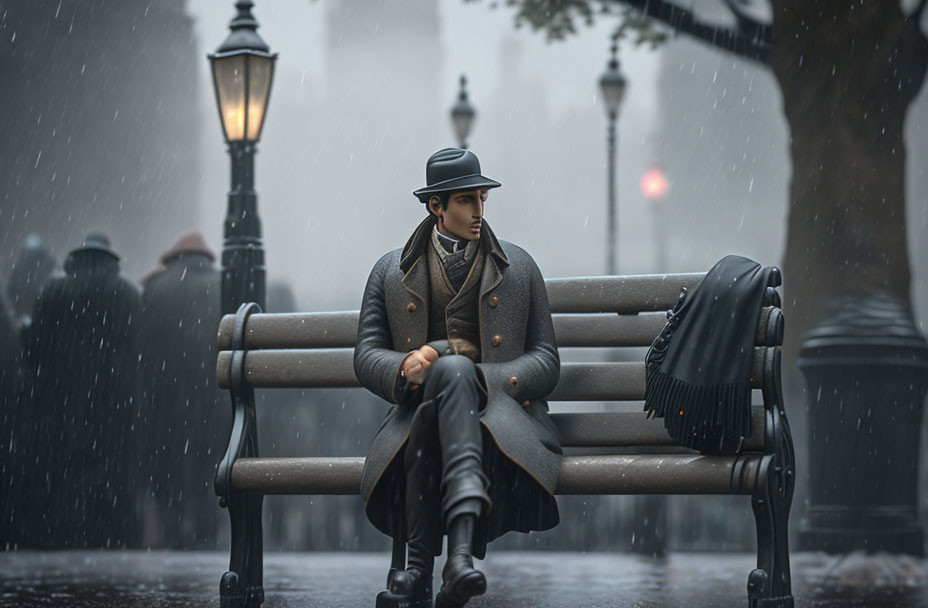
point(314, 350)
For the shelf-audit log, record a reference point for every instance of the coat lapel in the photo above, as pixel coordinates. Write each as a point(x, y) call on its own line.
point(413, 261)
point(491, 276)
point(414, 265)
point(494, 262)
point(416, 279)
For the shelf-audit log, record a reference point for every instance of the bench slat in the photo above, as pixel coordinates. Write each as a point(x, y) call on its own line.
point(340, 330)
point(334, 368)
point(658, 474)
point(629, 294)
point(298, 475)
point(630, 429)
point(598, 474)
point(622, 381)
point(607, 330)
point(295, 368)
point(294, 330)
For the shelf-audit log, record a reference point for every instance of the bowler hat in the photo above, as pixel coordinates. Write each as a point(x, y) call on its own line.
point(191, 241)
point(452, 169)
point(96, 241)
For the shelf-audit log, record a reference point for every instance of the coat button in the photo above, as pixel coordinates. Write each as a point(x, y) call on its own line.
point(513, 381)
point(497, 340)
point(493, 302)
point(411, 307)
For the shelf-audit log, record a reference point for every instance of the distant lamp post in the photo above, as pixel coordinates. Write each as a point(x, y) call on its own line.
point(462, 115)
point(654, 188)
point(650, 512)
point(612, 85)
point(243, 69)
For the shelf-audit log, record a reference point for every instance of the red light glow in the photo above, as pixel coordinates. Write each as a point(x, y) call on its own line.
point(654, 184)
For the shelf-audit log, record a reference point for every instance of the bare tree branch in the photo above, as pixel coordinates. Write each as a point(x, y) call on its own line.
point(914, 20)
point(913, 43)
point(919, 10)
point(746, 24)
point(754, 45)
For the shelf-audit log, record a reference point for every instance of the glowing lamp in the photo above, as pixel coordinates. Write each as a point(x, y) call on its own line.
point(243, 68)
point(654, 184)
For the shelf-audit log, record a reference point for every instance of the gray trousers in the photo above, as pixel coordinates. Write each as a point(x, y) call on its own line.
point(444, 455)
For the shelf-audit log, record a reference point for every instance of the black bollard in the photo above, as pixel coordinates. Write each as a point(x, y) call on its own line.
point(865, 371)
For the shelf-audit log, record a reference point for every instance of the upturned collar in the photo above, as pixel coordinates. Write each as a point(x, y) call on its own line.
point(416, 245)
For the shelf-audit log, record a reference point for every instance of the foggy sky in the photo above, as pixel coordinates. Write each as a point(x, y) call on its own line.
point(351, 123)
point(306, 210)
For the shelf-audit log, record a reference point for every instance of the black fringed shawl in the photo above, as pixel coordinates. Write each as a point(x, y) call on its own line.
point(699, 367)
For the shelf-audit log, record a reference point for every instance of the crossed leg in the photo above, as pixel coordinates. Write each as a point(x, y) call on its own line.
point(444, 456)
point(446, 487)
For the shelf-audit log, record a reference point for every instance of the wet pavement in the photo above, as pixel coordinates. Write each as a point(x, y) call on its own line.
point(97, 579)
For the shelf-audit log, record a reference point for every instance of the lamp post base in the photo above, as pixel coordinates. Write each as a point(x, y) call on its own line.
point(865, 370)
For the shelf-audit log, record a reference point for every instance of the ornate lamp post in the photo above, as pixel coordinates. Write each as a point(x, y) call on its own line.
point(654, 188)
point(243, 68)
point(462, 115)
point(612, 86)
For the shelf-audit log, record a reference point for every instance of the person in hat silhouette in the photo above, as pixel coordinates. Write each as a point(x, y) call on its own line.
point(83, 370)
point(455, 330)
point(180, 313)
point(33, 267)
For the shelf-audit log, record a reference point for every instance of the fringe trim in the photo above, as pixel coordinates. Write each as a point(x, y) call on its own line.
point(712, 419)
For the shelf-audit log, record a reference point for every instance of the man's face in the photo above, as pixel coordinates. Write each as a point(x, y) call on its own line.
point(463, 217)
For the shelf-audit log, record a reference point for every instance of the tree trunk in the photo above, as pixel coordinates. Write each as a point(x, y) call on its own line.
point(848, 75)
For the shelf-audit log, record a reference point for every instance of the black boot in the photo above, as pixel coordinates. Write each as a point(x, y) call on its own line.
point(460, 580)
point(413, 586)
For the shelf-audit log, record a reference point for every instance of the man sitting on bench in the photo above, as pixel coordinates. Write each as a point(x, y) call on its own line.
point(456, 331)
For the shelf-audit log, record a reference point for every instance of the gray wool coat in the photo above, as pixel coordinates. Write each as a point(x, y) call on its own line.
point(519, 363)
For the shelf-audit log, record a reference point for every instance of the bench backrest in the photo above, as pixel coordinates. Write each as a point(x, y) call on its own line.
point(315, 350)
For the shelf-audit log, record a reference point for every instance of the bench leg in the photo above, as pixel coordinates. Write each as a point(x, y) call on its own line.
point(242, 586)
point(769, 585)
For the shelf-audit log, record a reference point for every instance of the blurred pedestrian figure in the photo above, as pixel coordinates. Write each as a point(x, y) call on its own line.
point(9, 415)
point(10, 348)
point(84, 369)
point(33, 266)
point(185, 419)
point(31, 270)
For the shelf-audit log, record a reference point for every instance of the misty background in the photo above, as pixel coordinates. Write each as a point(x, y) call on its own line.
point(109, 122)
point(360, 99)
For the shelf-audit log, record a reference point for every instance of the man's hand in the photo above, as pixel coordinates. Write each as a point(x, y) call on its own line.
point(417, 363)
